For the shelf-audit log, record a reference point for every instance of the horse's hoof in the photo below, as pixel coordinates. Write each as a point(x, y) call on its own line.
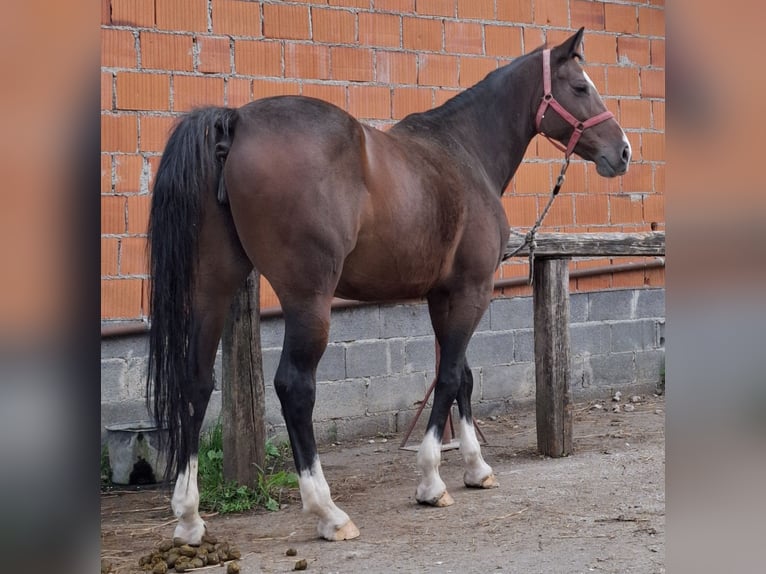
point(488, 482)
point(444, 500)
point(348, 531)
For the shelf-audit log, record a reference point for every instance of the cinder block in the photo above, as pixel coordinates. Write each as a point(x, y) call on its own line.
point(651, 303)
point(612, 370)
point(513, 313)
point(270, 363)
point(491, 348)
point(355, 324)
point(633, 335)
point(366, 426)
point(395, 356)
point(340, 399)
point(419, 354)
point(332, 366)
point(589, 339)
point(405, 321)
point(113, 373)
point(650, 365)
point(367, 358)
point(135, 378)
point(578, 307)
point(515, 381)
point(272, 332)
point(393, 393)
point(611, 305)
point(523, 346)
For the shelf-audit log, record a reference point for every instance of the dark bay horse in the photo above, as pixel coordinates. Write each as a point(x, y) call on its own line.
point(324, 206)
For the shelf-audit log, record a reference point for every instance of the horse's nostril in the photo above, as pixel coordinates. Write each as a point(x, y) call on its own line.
point(626, 154)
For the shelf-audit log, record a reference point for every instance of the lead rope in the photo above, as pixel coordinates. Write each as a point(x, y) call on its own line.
point(529, 237)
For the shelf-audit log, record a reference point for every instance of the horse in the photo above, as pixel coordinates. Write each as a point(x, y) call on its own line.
point(324, 206)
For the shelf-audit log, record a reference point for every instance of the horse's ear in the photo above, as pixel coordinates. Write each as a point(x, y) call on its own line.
point(571, 47)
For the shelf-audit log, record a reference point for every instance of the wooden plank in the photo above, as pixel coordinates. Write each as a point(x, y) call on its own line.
point(243, 408)
point(552, 365)
point(591, 244)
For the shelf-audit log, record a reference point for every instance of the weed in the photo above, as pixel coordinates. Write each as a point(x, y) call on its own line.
point(106, 469)
point(225, 497)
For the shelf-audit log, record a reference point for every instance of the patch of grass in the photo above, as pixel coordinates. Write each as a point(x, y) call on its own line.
point(217, 495)
point(106, 469)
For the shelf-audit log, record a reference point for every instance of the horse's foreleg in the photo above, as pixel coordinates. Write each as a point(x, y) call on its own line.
point(477, 472)
point(305, 341)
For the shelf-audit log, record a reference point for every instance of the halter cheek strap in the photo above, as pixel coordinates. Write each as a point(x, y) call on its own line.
point(549, 101)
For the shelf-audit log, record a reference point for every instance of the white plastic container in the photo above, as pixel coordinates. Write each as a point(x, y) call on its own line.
point(134, 453)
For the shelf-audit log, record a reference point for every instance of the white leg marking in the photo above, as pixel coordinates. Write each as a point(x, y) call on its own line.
point(334, 524)
point(431, 488)
point(476, 470)
point(185, 504)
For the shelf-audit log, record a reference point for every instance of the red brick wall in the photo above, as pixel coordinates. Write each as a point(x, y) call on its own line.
point(380, 60)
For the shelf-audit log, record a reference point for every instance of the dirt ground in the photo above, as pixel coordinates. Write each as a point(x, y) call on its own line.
point(599, 510)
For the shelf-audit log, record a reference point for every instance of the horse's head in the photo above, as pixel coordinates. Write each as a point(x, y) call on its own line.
point(573, 112)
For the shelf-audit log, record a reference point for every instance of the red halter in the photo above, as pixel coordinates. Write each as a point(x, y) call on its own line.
point(549, 100)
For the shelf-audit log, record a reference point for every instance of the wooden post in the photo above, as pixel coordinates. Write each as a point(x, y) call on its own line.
point(243, 409)
point(552, 368)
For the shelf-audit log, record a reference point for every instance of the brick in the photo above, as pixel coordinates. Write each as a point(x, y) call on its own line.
point(552, 12)
point(597, 74)
point(474, 70)
point(128, 170)
point(307, 61)
point(258, 58)
point(463, 38)
point(350, 3)
point(106, 173)
point(195, 91)
point(633, 50)
point(658, 115)
point(502, 41)
point(187, 15)
point(236, 18)
point(653, 146)
point(516, 11)
point(119, 133)
point(533, 38)
point(653, 83)
point(635, 113)
point(118, 49)
point(520, 210)
point(598, 184)
point(634, 138)
point(624, 209)
point(237, 92)
point(133, 13)
point(334, 94)
point(368, 102)
point(354, 64)
point(437, 70)
point(621, 18)
point(421, 34)
point(628, 279)
point(534, 178)
point(214, 54)
point(139, 91)
point(442, 96)
point(107, 80)
point(638, 179)
point(120, 298)
point(588, 14)
point(291, 22)
point(166, 51)
point(657, 53)
point(561, 212)
point(154, 132)
point(112, 214)
point(403, 6)
point(380, 30)
point(622, 81)
point(410, 100)
point(109, 247)
point(478, 9)
point(268, 88)
point(659, 179)
point(133, 256)
point(591, 210)
point(138, 213)
point(436, 7)
point(651, 21)
point(334, 26)
point(396, 68)
point(600, 48)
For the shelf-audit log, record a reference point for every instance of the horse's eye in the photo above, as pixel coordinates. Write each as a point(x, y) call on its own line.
point(581, 89)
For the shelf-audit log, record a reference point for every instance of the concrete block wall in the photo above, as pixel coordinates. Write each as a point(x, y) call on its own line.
point(380, 361)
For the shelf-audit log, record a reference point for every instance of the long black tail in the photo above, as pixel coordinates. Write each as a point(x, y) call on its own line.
point(190, 167)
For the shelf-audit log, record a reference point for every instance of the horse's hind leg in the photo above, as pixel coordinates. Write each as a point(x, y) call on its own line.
point(221, 270)
point(306, 331)
point(477, 472)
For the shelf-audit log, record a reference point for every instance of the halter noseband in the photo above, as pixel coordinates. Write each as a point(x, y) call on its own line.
point(549, 100)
